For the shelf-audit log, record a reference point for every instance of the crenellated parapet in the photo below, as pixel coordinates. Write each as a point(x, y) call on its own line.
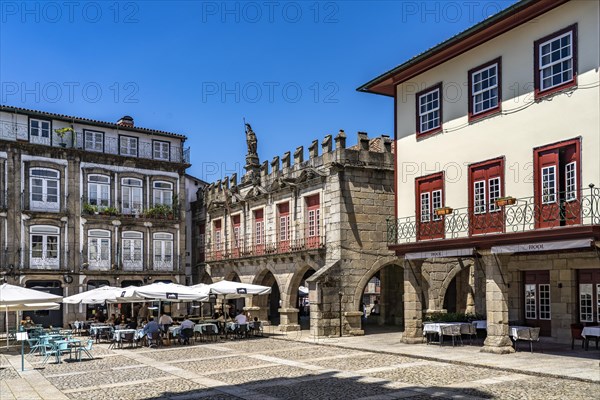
point(293, 170)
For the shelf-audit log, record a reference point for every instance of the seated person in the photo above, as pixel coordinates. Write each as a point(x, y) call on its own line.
point(186, 330)
point(241, 318)
point(112, 320)
point(100, 317)
point(151, 329)
point(28, 322)
point(131, 324)
point(165, 321)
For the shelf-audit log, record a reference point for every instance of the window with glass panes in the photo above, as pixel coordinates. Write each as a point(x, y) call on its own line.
point(429, 110)
point(99, 249)
point(99, 190)
point(39, 131)
point(161, 150)
point(484, 89)
point(163, 249)
point(549, 184)
point(44, 244)
point(128, 146)
point(162, 193)
point(131, 195)
point(44, 189)
point(530, 301)
point(132, 244)
point(556, 61)
point(94, 141)
point(586, 305)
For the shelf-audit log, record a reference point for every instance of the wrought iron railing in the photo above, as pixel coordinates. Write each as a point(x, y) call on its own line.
point(44, 202)
point(76, 140)
point(524, 214)
point(251, 246)
point(113, 208)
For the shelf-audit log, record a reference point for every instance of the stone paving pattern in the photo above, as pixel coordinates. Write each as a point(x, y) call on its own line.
point(267, 368)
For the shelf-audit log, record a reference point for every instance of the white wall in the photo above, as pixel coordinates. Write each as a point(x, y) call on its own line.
point(513, 134)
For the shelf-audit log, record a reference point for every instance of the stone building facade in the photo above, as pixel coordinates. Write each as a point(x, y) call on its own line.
point(317, 223)
point(88, 203)
point(498, 204)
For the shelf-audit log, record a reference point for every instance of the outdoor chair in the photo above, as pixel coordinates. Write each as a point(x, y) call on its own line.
point(471, 331)
point(211, 331)
point(531, 335)
point(576, 330)
point(39, 344)
point(256, 328)
point(58, 349)
point(154, 339)
point(185, 335)
point(128, 337)
point(452, 331)
point(85, 349)
point(241, 331)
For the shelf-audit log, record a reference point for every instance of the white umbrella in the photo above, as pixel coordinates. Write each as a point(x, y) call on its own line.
point(160, 291)
point(236, 290)
point(30, 307)
point(94, 296)
point(11, 294)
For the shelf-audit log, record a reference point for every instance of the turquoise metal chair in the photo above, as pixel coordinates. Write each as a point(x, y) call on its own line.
point(85, 349)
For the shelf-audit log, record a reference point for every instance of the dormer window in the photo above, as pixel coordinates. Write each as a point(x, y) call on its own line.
point(128, 146)
point(39, 131)
point(94, 141)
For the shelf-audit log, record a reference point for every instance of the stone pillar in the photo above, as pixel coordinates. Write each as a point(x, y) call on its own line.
point(413, 307)
point(288, 319)
point(353, 321)
point(496, 298)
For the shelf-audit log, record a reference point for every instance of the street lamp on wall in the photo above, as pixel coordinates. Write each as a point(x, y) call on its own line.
point(443, 211)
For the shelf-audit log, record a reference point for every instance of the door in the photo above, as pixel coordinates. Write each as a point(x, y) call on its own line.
point(558, 185)
point(259, 232)
point(218, 245)
point(589, 295)
point(313, 229)
point(537, 301)
point(44, 189)
point(430, 197)
point(283, 236)
point(236, 240)
point(485, 187)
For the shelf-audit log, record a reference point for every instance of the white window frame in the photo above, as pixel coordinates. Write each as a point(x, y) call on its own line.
point(132, 243)
point(162, 195)
point(161, 150)
point(548, 66)
point(48, 258)
point(428, 112)
point(99, 243)
point(545, 311)
point(479, 206)
point(284, 227)
point(314, 222)
point(44, 204)
point(129, 191)
point(482, 91)
point(586, 302)
point(259, 230)
point(571, 181)
point(548, 192)
point(127, 145)
point(93, 141)
point(495, 192)
point(425, 207)
point(42, 133)
point(163, 251)
point(530, 301)
point(436, 203)
point(101, 183)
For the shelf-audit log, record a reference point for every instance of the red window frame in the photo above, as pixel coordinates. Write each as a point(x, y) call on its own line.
point(236, 239)
point(488, 221)
point(559, 154)
point(434, 227)
point(259, 231)
point(498, 108)
point(283, 227)
point(433, 131)
point(538, 92)
point(313, 234)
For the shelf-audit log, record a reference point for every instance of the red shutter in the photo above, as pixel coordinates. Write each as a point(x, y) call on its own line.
point(490, 218)
point(429, 224)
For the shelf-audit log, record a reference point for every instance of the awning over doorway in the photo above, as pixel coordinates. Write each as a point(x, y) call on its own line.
point(468, 252)
point(543, 246)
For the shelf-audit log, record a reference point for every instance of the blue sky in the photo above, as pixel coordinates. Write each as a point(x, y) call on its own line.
point(199, 67)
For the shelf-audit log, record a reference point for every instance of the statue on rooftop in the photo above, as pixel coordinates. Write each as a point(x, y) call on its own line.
point(251, 141)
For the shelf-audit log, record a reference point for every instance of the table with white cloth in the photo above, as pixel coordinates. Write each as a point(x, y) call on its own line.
point(590, 332)
point(430, 328)
point(174, 331)
point(201, 328)
point(96, 330)
point(480, 324)
point(137, 333)
point(513, 331)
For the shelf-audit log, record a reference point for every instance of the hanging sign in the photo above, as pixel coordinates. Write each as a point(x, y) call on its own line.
point(542, 246)
point(440, 254)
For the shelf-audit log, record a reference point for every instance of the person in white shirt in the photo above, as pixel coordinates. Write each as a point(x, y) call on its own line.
point(165, 322)
point(186, 331)
point(241, 318)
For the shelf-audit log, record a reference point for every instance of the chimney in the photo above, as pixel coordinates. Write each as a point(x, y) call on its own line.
point(125, 121)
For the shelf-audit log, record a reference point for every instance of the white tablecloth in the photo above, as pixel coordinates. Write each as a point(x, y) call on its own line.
point(480, 324)
point(99, 328)
point(591, 331)
point(436, 327)
point(137, 333)
point(512, 331)
point(202, 327)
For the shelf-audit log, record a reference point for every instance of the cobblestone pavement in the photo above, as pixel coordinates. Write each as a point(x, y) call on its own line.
point(267, 368)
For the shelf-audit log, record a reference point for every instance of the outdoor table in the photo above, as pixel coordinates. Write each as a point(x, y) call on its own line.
point(95, 329)
point(480, 324)
point(590, 331)
point(201, 327)
point(436, 328)
point(121, 332)
point(513, 331)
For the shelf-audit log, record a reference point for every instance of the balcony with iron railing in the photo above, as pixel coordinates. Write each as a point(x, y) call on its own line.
point(13, 131)
point(44, 202)
point(511, 216)
point(267, 245)
point(103, 208)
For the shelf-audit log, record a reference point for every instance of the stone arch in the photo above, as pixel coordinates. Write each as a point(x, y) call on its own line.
point(233, 275)
point(377, 265)
point(291, 289)
point(459, 268)
point(269, 304)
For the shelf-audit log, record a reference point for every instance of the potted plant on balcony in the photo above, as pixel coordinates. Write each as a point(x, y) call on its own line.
point(505, 201)
point(62, 132)
point(90, 209)
point(110, 211)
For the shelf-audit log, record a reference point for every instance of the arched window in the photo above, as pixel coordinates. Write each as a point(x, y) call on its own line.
point(132, 250)
point(131, 195)
point(162, 193)
point(163, 251)
point(44, 249)
point(99, 249)
point(99, 190)
point(44, 189)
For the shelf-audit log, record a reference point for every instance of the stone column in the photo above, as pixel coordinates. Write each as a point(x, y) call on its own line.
point(413, 307)
point(353, 320)
point(288, 319)
point(496, 298)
